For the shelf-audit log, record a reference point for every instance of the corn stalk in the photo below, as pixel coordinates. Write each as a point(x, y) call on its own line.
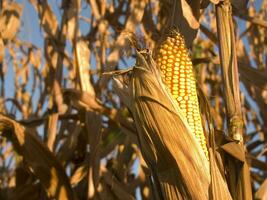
point(239, 179)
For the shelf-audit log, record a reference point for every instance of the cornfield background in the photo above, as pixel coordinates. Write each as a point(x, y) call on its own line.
point(71, 136)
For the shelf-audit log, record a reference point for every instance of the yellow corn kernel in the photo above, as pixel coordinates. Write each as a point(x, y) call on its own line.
point(173, 60)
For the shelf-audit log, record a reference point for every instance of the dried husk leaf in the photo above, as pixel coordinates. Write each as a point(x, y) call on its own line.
point(174, 156)
point(40, 160)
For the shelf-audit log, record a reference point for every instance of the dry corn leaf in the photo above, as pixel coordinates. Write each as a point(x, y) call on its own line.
point(82, 100)
point(239, 6)
point(137, 9)
point(93, 126)
point(10, 20)
point(253, 76)
point(118, 188)
point(215, 1)
point(219, 189)
point(52, 131)
point(256, 163)
point(2, 50)
point(191, 12)
point(27, 191)
point(164, 135)
point(82, 57)
point(261, 193)
point(67, 149)
point(253, 145)
point(39, 159)
point(72, 14)
point(235, 150)
point(79, 174)
point(106, 192)
point(184, 15)
point(48, 19)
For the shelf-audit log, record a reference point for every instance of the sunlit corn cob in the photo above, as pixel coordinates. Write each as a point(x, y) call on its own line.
point(177, 73)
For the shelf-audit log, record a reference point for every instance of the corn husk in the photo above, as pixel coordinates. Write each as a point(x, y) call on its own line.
point(177, 162)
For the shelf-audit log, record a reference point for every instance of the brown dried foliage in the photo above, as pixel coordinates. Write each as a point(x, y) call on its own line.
point(66, 134)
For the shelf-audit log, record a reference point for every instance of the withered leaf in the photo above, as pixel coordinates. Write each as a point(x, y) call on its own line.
point(82, 61)
point(82, 100)
point(234, 150)
point(43, 163)
point(262, 191)
point(10, 20)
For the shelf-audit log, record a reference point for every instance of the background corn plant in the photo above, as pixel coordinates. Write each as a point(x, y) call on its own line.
point(65, 134)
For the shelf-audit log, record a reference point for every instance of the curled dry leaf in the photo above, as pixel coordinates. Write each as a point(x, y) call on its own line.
point(164, 135)
point(43, 163)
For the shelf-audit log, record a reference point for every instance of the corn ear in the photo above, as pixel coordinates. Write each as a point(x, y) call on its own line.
point(177, 74)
